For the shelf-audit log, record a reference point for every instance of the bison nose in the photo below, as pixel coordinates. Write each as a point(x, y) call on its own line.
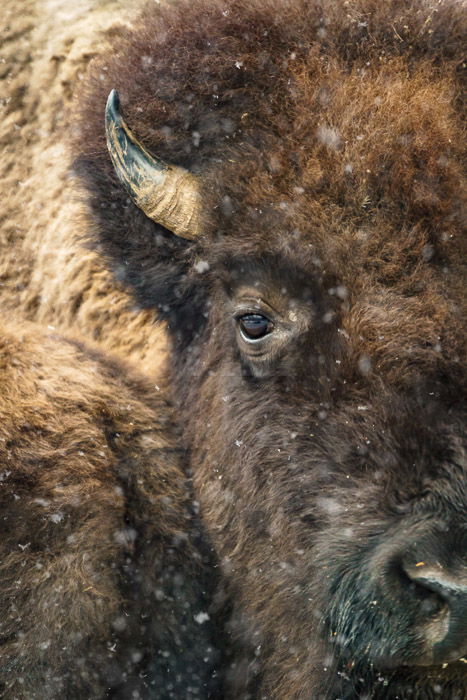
point(443, 607)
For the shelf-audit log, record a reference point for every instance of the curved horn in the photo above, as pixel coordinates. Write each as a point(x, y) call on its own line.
point(169, 195)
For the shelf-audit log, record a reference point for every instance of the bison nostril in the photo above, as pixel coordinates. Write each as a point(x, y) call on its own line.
point(431, 605)
point(443, 604)
point(435, 581)
point(431, 601)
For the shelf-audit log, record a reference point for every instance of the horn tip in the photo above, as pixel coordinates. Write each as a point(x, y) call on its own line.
point(112, 108)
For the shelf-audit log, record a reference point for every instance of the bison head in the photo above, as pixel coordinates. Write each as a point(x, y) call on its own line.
point(297, 223)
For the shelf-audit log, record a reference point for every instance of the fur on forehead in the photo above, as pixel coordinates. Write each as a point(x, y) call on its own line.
point(329, 124)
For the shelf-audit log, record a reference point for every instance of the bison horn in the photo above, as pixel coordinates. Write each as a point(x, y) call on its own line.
point(169, 195)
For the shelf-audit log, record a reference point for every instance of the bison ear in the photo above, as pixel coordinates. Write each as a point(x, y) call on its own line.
point(167, 194)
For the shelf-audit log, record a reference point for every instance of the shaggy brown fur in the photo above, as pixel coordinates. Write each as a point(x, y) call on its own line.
point(100, 577)
point(45, 275)
point(328, 140)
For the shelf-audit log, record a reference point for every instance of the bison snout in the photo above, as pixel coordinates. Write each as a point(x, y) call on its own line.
point(442, 594)
point(409, 598)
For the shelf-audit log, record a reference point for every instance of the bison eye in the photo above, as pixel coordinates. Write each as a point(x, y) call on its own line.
point(254, 326)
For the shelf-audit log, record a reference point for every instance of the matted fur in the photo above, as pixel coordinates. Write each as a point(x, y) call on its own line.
point(45, 274)
point(329, 141)
point(102, 575)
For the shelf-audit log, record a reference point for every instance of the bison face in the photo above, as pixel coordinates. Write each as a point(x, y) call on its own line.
point(336, 495)
point(306, 258)
point(325, 429)
point(329, 469)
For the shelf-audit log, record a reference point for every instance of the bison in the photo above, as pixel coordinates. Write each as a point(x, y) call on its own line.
point(45, 276)
point(291, 206)
point(104, 577)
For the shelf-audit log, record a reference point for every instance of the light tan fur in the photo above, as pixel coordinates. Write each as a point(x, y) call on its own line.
point(46, 274)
